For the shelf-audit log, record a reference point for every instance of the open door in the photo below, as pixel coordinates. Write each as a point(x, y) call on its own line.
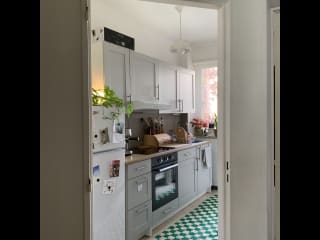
point(276, 93)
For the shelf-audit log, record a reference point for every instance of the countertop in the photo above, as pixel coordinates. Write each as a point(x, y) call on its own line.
point(177, 147)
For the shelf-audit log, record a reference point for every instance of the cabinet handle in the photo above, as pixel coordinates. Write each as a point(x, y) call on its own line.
point(140, 168)
point(193, 93)
point(129, 98)
point(138, 211)
point(141, 181)
point(182, 104)
point(158, 92)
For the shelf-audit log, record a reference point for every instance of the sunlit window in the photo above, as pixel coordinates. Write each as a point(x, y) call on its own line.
point(209, 92)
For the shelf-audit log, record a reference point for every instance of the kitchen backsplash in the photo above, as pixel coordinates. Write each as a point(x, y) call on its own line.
point(141, 121)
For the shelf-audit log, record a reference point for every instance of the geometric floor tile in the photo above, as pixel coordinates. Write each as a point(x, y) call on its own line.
point(200, 223)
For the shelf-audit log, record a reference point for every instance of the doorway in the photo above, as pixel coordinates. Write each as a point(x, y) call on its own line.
point(220, 162)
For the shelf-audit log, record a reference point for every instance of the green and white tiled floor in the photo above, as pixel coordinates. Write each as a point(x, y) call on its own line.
point(200, 223)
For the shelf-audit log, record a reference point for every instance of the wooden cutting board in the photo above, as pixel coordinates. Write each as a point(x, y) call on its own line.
point(157, 139)
point(181, 135)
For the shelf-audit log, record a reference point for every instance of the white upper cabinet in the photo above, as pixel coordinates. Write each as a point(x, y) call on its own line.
point(177, 88)
point(168, 86)
point(116, 68)
point(144, 78)
point(186, 90)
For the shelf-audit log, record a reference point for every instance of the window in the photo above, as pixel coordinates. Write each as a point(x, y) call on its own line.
point(209, 83)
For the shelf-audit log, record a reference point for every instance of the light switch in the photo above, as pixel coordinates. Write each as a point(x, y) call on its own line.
point(140, 186)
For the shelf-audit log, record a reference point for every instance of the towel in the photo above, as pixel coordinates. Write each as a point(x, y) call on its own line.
point(206, 157)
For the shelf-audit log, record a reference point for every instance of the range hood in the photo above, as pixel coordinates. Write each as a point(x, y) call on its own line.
point(140, 105)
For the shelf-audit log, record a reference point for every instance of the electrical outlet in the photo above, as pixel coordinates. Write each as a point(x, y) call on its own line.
point(108, 186)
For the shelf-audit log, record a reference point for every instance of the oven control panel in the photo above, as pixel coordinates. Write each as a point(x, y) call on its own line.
point(164, 159)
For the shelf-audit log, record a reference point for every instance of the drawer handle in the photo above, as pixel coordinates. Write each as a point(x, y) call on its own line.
point(167, 210)
point(140, 168)
point(138, 211)
point(141, 181)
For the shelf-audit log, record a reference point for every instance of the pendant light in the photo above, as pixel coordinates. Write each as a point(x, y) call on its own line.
point(180, 46)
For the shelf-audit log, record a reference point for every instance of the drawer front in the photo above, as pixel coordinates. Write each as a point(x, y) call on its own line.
point(186, 154)
point(139, 221)
point(161, 213)
point(139, 168)
point(205, 145)
point(139, 190)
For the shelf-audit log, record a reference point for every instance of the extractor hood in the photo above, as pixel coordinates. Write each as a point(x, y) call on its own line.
point(140, 105)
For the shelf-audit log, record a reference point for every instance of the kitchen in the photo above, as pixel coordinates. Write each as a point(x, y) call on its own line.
point(164, 140)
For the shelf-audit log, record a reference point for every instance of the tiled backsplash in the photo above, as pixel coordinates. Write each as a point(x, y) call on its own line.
point(170, 123)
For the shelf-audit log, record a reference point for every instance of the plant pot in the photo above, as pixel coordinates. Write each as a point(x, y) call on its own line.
point(198, 132)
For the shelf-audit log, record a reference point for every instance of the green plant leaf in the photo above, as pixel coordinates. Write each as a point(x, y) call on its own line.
point(111, 100)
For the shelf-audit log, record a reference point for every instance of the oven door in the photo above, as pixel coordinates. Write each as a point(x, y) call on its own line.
point(164, 185)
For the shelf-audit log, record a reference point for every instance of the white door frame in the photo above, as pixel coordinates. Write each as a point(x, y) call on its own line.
point(86, 106)
point(223, 112)
point(274, 225)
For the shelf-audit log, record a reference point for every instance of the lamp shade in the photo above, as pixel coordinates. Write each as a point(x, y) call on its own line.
point(180, 47)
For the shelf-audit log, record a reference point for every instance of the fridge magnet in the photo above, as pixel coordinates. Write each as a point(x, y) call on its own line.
point(96, 171)
point(115, 168)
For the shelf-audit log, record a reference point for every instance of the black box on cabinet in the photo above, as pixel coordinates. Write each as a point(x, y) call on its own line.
point(118, 38)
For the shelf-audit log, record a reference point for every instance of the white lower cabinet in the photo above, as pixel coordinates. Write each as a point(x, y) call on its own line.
point(188, 176)
point(204, 168)
point(138, 200)
point(139, 219)
point(193, 181)
point(161, 214)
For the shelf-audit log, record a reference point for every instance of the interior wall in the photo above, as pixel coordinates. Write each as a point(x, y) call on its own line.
point(274, 3)
point(204, 52)
point(147, 40)
point(249, 134)
point(62, 210)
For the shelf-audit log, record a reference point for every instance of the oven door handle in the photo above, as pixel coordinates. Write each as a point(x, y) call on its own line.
point(167, 168)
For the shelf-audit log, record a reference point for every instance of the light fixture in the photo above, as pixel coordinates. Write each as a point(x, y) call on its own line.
point(180, 46)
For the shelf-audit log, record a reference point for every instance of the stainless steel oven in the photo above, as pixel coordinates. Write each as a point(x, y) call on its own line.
point(164, 179)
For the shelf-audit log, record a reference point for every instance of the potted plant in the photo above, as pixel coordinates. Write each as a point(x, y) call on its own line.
point(110, 100)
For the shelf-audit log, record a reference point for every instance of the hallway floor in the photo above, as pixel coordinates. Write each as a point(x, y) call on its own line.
point(192, 218)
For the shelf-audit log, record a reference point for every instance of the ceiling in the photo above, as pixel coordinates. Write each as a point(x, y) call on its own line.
point(199, 25)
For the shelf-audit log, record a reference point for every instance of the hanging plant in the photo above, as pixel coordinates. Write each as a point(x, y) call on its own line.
point(109, 99)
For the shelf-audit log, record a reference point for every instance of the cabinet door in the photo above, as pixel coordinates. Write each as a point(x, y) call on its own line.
point(168, 84)
point(204, 182)
point(186, 79)
point(139, 190)
point(144, 77)
point(139, 221)
point(187, 181)
point(214, 163)
point(116, 68)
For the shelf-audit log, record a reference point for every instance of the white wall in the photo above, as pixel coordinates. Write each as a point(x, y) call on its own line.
point(62, 136)
point(147, 40)
point(249, 120)
point(204, 52)
point(274, 3)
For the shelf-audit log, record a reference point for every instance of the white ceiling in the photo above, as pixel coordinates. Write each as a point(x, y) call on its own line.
point(199, 25)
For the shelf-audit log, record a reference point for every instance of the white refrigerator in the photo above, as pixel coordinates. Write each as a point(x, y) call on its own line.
point(108, 176)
